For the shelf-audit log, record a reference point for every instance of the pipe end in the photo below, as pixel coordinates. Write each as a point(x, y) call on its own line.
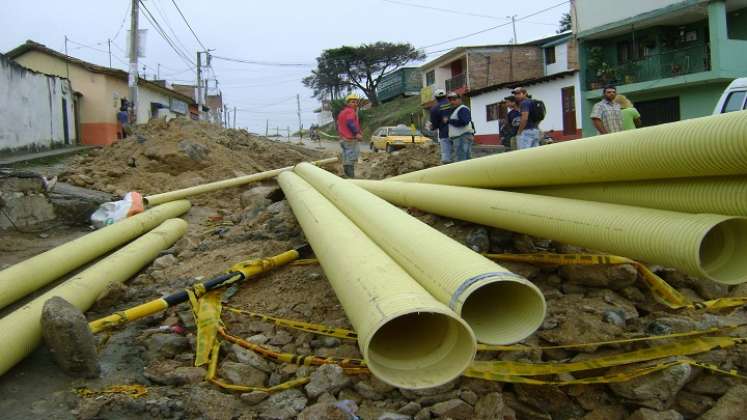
point(420, 350)
point(504, 311)
point(722, 252)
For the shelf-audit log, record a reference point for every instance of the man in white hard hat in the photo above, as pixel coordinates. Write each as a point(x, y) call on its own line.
point(349, 129)
point(440, 113)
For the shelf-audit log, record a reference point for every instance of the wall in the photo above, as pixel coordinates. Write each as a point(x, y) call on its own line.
point(32, 118)
point(549, 92)
point(499, 65)
point(591, 14)
point(561, 60)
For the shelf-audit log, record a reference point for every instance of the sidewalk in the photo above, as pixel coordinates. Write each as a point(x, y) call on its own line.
point(10, 160)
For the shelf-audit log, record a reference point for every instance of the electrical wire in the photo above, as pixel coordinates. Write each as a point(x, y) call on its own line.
point(149, 16)
point(121, 25)
point(438, 9)
point(188, 25)
point(168, 25)
point(263, 63)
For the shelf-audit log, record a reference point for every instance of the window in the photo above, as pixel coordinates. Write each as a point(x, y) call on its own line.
point(403, 131)
point(549, 55)
point(492, 111)
point(734, 101)
point(430, 78)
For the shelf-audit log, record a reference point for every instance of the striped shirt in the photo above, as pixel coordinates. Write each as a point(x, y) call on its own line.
point(610, 115)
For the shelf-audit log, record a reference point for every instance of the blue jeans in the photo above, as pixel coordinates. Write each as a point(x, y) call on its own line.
point(350, 151)
point(528, 138)
point(447, 148)
point(463, 146)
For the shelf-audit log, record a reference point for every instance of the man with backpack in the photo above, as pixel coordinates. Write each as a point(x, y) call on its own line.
point(461, 128)
point(532, 113)
point(439, 120)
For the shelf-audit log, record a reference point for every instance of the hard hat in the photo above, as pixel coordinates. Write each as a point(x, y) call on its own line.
point(439, 93)
point(352, 97)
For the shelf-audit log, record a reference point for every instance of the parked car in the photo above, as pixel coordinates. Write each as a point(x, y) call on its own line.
point(734, 97)
point(393, 138)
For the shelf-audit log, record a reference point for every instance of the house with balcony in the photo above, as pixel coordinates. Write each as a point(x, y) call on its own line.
point(672, 58)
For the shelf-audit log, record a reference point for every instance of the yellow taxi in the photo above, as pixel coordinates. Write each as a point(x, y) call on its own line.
point(393, 138)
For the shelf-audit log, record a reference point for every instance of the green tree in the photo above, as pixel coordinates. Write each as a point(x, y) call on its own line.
point(565, 23)
point(362, 67)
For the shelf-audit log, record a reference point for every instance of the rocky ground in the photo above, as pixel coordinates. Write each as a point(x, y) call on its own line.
point(585, 304)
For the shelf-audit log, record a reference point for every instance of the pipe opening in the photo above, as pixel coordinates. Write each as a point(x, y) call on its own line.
point(504, 312)
point(722, 252)
point(420, 350)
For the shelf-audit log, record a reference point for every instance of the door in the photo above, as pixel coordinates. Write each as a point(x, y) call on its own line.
point(568, 99)
point(659, 111)
point(456, 68)
point(65, 126)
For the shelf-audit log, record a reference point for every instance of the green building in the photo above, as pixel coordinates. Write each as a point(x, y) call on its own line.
point(405, 81)
point(672, 58)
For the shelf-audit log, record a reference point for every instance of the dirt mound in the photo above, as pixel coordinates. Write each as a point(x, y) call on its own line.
point(163, 156)
point(412, 158)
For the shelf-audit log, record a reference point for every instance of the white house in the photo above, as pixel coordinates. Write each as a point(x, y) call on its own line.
point(558, 87)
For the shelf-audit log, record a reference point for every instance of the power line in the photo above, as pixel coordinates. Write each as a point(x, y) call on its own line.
point(121, 25)
point(188, 25)
point(262, 63)
point(263, 85)
point(438, 9)
point(168, 25)
point(494, 27)
point(149, 16)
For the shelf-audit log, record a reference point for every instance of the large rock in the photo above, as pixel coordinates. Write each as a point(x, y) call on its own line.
point(489, 407)
point(251, 358)
point(616, 276)
point(241, 374)
point(209, 403)
point(165, 346)
point(455, 409)
point(170, 373)
point(74, 204)
point(550, 400)
point(732, 406)
point(324, 411)
point(327, 378)
point(24, 210)
point(656, 391)
point(648, 414)
point(66, 333)
point(693, 405)
point(283, 405)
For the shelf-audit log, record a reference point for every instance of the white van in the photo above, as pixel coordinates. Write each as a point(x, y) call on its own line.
point(734, 97)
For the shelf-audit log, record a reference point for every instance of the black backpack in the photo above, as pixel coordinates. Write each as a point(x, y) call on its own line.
point(538, 111)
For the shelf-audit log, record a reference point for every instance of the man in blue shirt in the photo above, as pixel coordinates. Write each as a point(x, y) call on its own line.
point(511, 125)
point(528, 134)
point(440, 113)
point(123, 118)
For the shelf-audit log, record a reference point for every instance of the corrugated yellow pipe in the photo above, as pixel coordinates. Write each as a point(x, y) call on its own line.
point(155, 199)
point(717, 195)
point(500, 306)
point(709, 146)
point(21, 329)
point(408, 339)
point(23, 278)
point(703, 245)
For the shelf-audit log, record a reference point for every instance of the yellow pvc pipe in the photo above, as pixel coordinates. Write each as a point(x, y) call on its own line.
point(21, 329)
point(717, 195)
point(708, 146)
point(704, 245)
point(155, 199)
point(23, 278)
point(407, 338)
point(500, 306)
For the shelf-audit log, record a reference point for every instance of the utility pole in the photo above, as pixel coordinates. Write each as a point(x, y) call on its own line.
point(132, 80)
point(199, 85)
point(267, 128)
point(300, 124)
point(234, 118)
point(289, 132)
point(109, 42)
point(158, 71)
point(513, 23)
point(67, 66)
point(225, 116)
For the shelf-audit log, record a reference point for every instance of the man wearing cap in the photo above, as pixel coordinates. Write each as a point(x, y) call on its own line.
point(607, 114)
point(349, 129)
point(461, 131)
point(440, 113)
point(528, 133)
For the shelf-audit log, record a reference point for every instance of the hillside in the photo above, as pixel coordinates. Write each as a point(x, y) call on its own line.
point(393, 112)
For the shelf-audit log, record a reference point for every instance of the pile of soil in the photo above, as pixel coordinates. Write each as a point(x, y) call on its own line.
point(409, 159)
point(164, 156)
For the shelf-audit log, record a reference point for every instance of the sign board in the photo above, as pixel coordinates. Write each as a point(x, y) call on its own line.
point(180, 107)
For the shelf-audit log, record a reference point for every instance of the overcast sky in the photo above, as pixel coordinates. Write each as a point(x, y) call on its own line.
point(280, 31)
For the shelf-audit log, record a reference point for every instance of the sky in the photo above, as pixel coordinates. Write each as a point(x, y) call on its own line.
point(276, 31)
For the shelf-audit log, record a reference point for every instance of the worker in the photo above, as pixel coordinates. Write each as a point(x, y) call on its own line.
point(349, 129)
point(461, 128)
point(631, 118)
point(528, 133)
point(510, 126)
point(123, 119)
point(439, 122)
point(607, 114)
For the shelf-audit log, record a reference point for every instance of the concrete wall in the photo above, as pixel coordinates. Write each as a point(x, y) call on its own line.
point(561, 60)
point(549, 92)
point(504, 64)
point(32, 116)
point(591, 14)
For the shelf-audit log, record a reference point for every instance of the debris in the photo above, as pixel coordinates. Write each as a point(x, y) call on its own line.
point(455, 409)
point(66, 334)
point(327, 378)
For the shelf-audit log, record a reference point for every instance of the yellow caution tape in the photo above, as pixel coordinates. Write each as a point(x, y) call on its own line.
point(681, 348)
point(297, 325)
point(206, 310)
point(132, 391)
point(663, 292)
